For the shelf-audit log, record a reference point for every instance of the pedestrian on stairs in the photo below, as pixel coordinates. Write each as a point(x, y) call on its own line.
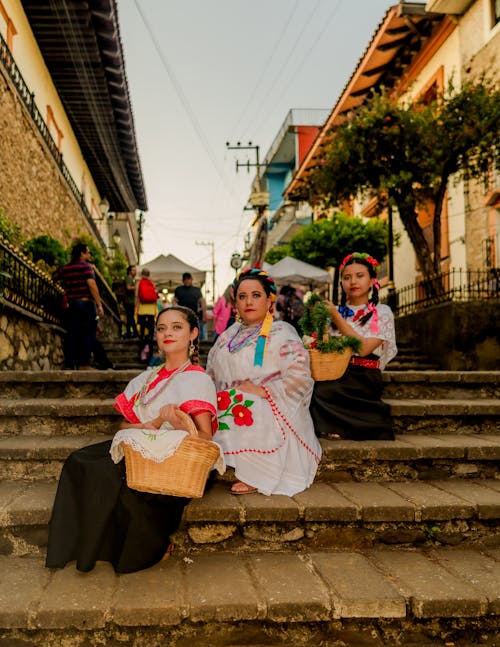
point(96, 516)
point(129, 303)
point(351, 407)
point(83, 307)
point(146, 304)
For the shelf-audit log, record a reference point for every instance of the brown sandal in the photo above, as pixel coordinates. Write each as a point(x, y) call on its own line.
point(242, 488)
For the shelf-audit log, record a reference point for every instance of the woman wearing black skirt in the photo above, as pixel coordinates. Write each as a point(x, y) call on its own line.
point(351, 407)
point(96, 516)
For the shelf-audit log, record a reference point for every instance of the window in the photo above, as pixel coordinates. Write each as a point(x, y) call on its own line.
point(10, 29)
point(55, 131)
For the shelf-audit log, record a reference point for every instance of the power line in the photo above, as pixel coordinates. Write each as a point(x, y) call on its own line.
point(185, 103)
point(265, 67)
point(270, 111)
point(288, 57)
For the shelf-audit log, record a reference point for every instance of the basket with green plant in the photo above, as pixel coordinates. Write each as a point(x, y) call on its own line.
point(329, 355)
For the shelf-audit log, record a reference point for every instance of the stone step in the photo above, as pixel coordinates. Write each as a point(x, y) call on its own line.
point(455, 385)
point(326, 516)
point(451, 385)
point(412, 365)
point(376, 598)
point(88, 415)
point(409, 457)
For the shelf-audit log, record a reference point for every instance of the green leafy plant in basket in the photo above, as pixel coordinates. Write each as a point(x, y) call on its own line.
point(329, 355)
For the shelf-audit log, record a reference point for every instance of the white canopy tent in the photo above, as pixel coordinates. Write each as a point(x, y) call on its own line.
point(290, 270)
point(167, 271)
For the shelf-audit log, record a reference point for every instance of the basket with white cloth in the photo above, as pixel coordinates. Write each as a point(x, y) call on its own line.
point(184, 473)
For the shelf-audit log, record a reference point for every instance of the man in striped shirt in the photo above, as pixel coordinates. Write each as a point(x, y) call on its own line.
point(84, 306)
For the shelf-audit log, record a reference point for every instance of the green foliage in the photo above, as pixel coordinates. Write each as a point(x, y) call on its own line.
point(10, 231)
point(275, 254)
point(46, 249)
point(406, 154)
point(326, 242)
point(315, 321)
point(117, 266)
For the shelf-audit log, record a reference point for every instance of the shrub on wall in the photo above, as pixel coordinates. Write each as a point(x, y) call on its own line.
point(46, 251)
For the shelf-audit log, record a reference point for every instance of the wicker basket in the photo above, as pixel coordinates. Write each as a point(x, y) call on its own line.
point(329, 366)
point(182, 474)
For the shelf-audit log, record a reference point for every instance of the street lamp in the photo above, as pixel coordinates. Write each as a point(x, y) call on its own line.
point(104, 207)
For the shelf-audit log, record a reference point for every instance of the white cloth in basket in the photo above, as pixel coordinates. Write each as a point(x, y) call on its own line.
point(155, 445)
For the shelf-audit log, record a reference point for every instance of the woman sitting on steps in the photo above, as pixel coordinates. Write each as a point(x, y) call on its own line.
point(96, 516)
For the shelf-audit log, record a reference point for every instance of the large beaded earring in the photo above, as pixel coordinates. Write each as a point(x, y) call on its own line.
point(192, 348)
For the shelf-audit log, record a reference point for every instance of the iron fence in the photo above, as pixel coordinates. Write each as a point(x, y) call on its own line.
point(455, 285)
point(24, 284)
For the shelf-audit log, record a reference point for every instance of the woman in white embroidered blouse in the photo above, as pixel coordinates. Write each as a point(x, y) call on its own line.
point(352, 407)
point(264, 385)
point(96, 516)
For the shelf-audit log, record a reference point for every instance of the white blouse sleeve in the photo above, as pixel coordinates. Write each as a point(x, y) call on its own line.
point(291, 384)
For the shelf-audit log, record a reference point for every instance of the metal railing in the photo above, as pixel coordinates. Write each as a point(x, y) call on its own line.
point(28, 98)
point(25, 285)
point(455, 285)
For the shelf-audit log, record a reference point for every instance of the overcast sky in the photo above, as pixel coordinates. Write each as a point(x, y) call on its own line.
point(204, 72)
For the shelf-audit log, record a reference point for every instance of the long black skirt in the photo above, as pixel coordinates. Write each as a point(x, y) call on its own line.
point(96, 516)
point(351, 406)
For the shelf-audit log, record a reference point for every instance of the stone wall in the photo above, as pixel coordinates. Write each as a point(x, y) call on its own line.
point(458, 336)
point(27, 343)
point(33, 193)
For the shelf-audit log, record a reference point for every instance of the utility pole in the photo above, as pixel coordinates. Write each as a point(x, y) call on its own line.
point(247, 164)
point(210, 243)
point(259, 201)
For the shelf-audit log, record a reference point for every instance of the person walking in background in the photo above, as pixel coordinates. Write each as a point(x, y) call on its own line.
point(223, 309)
point(351, 407)
point(83, 307)
point(129, 303)
point(146, 306)
point(189, 296)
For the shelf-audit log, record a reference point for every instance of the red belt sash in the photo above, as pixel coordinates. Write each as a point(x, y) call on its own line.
point(366, 363)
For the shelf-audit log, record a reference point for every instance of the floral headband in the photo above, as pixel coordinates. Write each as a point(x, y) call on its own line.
point(255, 272)
point(360, 256)
point(261, 347)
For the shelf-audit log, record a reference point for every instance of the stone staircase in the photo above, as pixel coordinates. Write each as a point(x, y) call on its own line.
point(396, 543)
point(124, 354)
point(410, 358)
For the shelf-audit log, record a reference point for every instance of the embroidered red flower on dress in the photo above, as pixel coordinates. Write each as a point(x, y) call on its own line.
point(223, 400)
point(242, 416)
point(233, 405)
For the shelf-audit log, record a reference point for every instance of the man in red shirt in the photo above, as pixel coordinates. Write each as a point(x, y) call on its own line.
point(84, 306)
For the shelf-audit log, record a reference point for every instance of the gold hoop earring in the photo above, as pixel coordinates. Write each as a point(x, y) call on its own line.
point(238, 317)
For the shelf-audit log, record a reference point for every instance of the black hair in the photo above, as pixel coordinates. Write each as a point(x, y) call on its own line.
point(192, 320)
point(374, 295)
point(77, 250)
point(186, 275)
point(130, 268)
point(255, 274)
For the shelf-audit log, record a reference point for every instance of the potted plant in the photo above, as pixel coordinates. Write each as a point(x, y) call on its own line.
point(329, 355)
